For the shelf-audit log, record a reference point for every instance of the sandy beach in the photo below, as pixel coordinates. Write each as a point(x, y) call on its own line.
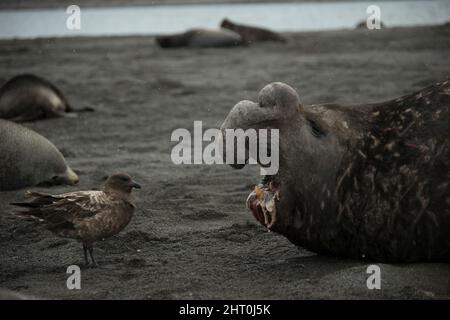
point(192, 237)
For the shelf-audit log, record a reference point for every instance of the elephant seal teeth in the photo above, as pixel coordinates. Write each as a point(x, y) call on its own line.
point(262, 203)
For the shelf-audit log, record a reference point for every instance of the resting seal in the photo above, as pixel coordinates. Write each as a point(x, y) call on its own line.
point(252, 34)
point(28, 97)
point(365, 181)
point(201, 38)
point(28, 159)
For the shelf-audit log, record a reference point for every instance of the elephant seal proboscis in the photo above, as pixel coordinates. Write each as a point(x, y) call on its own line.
point(29, 159)
point(27, 97)
point(201, 38)
point(363, 181)
point(251, 34)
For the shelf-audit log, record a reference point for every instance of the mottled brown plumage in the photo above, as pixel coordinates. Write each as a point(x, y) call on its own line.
point(87, 216)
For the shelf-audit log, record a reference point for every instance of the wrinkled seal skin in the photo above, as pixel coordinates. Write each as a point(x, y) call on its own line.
point(28, 97)
point(201, 38)
point(29, 159)
point(251, 34)
point(364, 181)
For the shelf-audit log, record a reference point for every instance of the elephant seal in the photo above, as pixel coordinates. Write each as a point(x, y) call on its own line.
point(252, 34)
point(362, 181)
point(201, 38)
point(29, 159)
point(28, 97)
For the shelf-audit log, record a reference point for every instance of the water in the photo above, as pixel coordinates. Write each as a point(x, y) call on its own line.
point(168, 19)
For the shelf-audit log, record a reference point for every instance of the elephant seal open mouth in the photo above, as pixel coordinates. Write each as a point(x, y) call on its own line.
point(262, 202)
point(365, 181)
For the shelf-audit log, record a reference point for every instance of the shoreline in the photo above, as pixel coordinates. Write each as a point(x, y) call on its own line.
point(153, 35)
point(55, 4)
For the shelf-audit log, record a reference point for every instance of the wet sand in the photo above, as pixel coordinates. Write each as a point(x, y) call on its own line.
point(192, 236)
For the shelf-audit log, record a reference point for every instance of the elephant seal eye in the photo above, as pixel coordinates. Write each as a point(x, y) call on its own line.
point(316, 130)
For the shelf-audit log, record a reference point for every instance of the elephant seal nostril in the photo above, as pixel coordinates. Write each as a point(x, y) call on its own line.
point(278, 94)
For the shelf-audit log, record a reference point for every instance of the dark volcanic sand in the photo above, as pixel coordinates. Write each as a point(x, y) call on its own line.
point(192, 236)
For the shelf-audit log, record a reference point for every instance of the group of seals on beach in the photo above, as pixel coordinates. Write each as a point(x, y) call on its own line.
point(28, 158)
point(228, 35)
point(363, 181)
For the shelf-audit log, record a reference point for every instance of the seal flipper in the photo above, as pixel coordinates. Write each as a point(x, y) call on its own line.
point(65, 114)
point(85, 109)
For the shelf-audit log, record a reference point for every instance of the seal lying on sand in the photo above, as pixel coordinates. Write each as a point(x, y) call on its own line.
point(201, 38)
point(28, 159)
point(252, 34)
point(87, 216)
point(28, 97)
point(364, 181)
